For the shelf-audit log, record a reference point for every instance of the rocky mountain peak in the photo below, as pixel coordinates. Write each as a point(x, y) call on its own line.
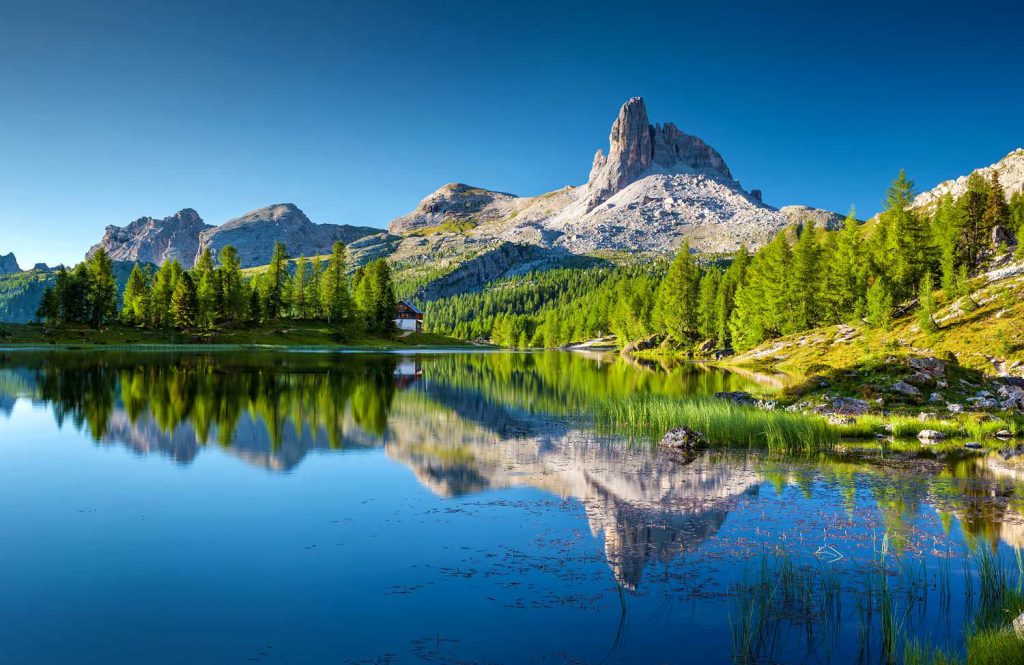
point(9, 264)
point(636, 147)
point(450, 202)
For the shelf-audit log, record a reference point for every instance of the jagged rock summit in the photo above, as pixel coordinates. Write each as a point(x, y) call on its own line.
point(9, 264)
point(637, 148)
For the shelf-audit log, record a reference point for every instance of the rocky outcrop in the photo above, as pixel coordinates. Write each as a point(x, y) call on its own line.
point(1009, 170)
point(635, 147)
point(254, 234)
point(151, 240)
point(455, 202)
point(183, 236)
point(9, 264)
point(823, 219)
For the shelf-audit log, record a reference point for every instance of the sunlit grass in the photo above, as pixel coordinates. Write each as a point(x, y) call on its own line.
point(723, 423)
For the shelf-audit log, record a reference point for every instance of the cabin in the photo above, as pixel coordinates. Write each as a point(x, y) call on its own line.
point(408, 317)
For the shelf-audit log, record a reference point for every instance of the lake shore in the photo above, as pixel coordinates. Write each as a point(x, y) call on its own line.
point(290, 335)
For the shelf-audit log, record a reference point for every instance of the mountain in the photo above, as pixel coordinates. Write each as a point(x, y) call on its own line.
point(151, 240)
point(255, 233)
point(20, 292)
point(9, 264)
point(1009, 170)
point(656, 188)
point(184, 235)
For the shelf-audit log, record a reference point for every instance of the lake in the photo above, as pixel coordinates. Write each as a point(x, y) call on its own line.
point(463, 507)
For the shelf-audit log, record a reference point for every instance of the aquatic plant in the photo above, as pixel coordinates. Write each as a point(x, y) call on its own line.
point(723, 423)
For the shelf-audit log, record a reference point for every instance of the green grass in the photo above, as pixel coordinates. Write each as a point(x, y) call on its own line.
point(723, 423)
point(964, 426)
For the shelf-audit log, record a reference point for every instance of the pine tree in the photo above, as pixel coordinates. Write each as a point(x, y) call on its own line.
point(184, 303)
point(945, 234)
point(973, 239)
point(135, 307)
point(846, 275)
point(102, 288)
point(334, 294)
point(763, 306)
point(907, 242)
point(375, 298)
point(676, 307)
point(297, 289)
point(164, 282)
point(204, 277)
point(234, 294)
point(927, 306)
point(997, 213)
point(879, 305)
point(274, 287)
point(707, 313)
point(726, 300)
point(805, 281)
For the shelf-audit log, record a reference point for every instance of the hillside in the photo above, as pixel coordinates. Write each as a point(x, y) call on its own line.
point(989, 338)
point(20, 292)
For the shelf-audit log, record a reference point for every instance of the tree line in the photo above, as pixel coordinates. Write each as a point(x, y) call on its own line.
point(804, 278)
point(213, 294)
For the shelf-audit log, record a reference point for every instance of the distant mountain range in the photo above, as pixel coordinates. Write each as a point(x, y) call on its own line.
point(656, 188)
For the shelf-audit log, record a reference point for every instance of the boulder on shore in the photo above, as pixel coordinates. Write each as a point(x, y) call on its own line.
point(643, 344)
point(930, 436)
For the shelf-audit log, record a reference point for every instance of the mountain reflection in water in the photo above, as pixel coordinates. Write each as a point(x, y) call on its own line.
point(467, 423)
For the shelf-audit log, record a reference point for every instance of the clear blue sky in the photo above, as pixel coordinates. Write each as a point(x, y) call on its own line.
point(355, 110)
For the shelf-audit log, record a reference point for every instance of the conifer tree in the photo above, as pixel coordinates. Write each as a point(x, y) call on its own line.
point(927, 306)
point(334, 294)
point(907, 243)
point(275, 284)
point(184, 303)
point(204, 278)
point(676, 306)
point(973, 239)
point(804, 282)
point(846, 274)
point(879, 305)
point(102, 288)
point(997, 211)
point(297, 289)
point(135, 307)
point(707, 313)
point(234, 294)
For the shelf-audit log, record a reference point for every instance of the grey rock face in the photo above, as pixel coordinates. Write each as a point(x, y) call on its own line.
point(9, 264)
point(255, 233)
point(1009, 170)
point(451, 202)
point(636, 146)
point(905, 389)
point(823, 219)
point(155, 240)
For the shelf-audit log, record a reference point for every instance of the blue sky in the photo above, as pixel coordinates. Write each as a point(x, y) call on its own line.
point(355, 111)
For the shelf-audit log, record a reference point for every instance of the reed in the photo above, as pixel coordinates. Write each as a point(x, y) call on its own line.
point(723, 423)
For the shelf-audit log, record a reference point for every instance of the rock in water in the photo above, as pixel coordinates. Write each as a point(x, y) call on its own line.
point(683, 441)
point(930, 436)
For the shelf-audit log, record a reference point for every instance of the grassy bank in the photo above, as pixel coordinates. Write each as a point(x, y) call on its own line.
point(723, 423)
point(286, 334)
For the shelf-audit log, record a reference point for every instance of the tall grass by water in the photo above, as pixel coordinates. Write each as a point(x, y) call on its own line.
point(722, 422)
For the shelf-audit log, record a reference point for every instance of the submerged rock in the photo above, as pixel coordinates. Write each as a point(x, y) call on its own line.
point(973, 445)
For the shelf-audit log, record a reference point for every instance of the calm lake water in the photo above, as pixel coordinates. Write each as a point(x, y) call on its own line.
point(454, 508)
